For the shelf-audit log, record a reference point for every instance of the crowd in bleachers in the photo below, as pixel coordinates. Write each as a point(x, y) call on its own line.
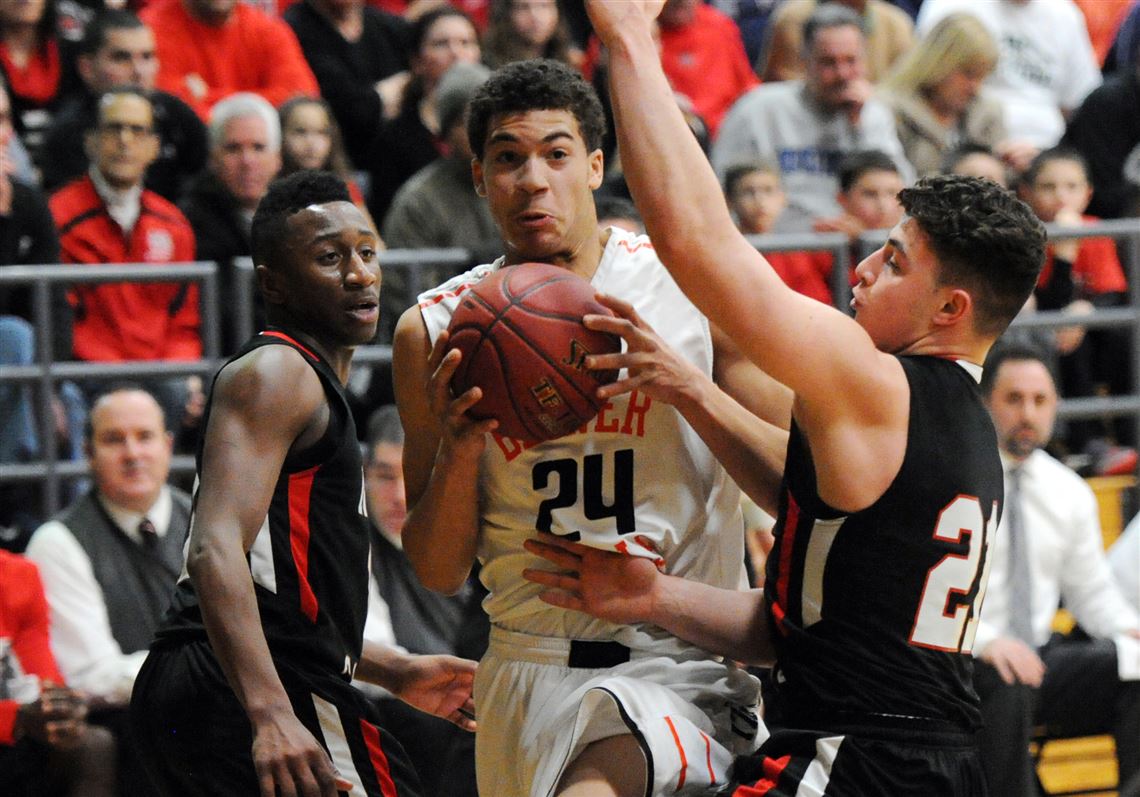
point(147, 131)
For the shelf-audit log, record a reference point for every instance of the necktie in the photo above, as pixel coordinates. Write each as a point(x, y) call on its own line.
point(148, 532)
point(1020, 580)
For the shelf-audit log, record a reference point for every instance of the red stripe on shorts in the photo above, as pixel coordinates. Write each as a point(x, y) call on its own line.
point(772, 769)
point(300, 489)
point(681, 750)
point(379, 761)
point(708, 758)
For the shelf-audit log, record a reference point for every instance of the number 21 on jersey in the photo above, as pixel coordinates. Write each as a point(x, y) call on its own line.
point(946, 618)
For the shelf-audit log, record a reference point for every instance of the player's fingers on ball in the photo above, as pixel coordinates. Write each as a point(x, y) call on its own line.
point(438, 348)
point(619, 306)
point(267, 783)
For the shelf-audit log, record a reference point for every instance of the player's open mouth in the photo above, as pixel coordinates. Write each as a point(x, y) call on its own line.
point(367, 310)
point(534, 219)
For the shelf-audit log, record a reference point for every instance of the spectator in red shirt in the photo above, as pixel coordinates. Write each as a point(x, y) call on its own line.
point(703, 57)
point(46, 746)
point(108, 217)
point(209, 49)
point(756, 198)
point(1079, 275)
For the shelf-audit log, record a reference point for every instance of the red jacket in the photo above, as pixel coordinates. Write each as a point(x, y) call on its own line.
point(1096, 270)
point(24, 625)
point(201, 64)
point(128, 321)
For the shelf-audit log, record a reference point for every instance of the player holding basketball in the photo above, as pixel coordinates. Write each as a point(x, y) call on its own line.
point(247, 688)
point(655, 715)
point(892, 483)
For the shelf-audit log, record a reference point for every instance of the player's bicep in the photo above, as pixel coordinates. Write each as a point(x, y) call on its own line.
point(411, 348)
point(252, 424)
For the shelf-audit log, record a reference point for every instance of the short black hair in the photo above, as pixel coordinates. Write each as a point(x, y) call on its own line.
point(286, 196)
point(1045, 157)
point(540, 84)
point(1009, 351)
point(738, 171)
point(110, 388)
point(855, 164)
point(109, 19)
point(987, 241)
point(384, 426)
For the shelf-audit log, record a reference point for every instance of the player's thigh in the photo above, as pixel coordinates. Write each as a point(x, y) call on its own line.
point(613, 767)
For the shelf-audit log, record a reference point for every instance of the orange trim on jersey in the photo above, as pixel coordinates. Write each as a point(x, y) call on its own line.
point(624, 244)
point(300, 490)
point(772, 769)
point(275, 334)
point(681, 750)
point(379, 760)
point(455, 294)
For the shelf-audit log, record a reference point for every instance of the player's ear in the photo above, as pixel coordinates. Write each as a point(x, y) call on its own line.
point(597, 169)
point(477, 177)
point(957, 306)
point(268, 281)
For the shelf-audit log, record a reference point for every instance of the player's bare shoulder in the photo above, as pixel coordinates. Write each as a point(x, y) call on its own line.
point(271, 386)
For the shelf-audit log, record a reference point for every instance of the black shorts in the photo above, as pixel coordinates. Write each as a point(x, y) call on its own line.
point(861, 763)
point(195, 739)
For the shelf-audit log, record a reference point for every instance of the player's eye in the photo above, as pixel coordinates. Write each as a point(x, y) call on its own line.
point(559, 154)
point(367, 254)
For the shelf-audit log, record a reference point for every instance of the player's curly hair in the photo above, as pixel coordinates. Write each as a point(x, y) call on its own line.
point(285, 197)
point(540, 84)
point(987, 241)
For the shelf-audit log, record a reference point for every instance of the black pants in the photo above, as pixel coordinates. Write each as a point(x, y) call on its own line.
point(1081, 695)
point(195, 739)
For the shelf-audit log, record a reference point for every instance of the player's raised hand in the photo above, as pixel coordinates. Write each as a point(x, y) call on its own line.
point(652, 366)
point(290, 762)
point(604, 584)
point(439, 685)
point(610, 18)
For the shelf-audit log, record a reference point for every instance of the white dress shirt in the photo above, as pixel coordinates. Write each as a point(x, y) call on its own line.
point(88, 656)
point(1066, 558)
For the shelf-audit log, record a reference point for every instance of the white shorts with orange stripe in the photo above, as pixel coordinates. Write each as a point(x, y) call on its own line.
point(540, 703)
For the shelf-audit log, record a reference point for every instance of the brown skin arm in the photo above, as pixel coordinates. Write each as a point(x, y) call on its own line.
point(264, 404)
point(442, 447)
point(437, 685)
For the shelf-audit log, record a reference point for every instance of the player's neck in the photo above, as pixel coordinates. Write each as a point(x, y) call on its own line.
point(581, 257)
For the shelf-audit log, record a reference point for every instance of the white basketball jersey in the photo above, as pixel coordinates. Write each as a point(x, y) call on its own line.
point(636, 479)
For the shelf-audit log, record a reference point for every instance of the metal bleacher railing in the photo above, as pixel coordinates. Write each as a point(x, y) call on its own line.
point(45, 373)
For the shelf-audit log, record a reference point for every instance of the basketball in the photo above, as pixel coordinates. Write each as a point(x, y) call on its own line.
point(521, 334)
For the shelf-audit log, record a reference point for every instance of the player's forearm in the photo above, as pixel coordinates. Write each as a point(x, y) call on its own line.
point(442, 529)
point(750, 449)
point(383, 666)
point(233, 625)
point(729, 623)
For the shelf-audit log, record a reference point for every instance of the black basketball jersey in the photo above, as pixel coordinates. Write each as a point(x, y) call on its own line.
point(309, 562)
point(873, 614)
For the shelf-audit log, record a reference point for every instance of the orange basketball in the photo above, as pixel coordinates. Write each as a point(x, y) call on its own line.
point(521, 334)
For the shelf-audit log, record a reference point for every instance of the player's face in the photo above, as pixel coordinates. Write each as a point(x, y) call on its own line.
point(873, 199)
point(1060, 185)
point(539, 181)
point(244, 160)
point(835, 61)
point(124, 141)
point(307, 136)
point(758, 200)
point(130, 449)
point(330, 284)
point(1023, 405)
point(384, 483)
point(127, 58)
point(897, 293)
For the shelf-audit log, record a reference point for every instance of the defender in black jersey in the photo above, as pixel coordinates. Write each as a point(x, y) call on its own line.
point(246, 688)
point(891, 488)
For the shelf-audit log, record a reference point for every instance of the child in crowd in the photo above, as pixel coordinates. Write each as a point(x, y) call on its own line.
point(975, 160)
point(756, 198)
point(869, 183)
point(311, 139)
point(1079, 275)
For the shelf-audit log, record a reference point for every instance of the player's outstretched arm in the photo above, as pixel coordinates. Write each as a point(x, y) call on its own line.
point(751, 449)
point(438, 685)
point(850, 398)
point(442, 447)
point(262, 405)
point(630, 589)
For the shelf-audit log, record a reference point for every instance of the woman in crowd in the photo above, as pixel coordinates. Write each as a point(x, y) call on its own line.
point(411, 140)
point(524, 29)
point(935, 92)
